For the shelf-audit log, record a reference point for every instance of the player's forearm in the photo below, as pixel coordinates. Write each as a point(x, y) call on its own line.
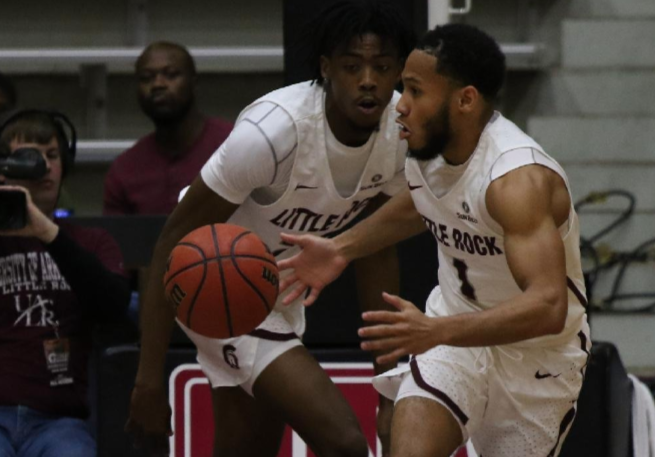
point(375, 274)
point(200, 206)
point(156, 316)
point(529, 315)
point(395, 221)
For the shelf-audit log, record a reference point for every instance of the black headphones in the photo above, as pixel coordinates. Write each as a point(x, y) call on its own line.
point(65, 131)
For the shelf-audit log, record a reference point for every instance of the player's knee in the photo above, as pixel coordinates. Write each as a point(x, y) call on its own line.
point(420, 451)
point(414, 446)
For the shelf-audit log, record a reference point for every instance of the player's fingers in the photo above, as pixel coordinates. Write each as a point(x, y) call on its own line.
point(287, 281)
point(396, 301)
point(294, 294)
point(311, 298)
point(382, 344)
point(387, 317)
point(392, 357)
point(292, 239)
point(285, 264)
point(376, 331)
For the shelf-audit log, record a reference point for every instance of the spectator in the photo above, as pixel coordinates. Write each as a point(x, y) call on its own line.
point(8, 96)
point(56, 280)
point(148, 177)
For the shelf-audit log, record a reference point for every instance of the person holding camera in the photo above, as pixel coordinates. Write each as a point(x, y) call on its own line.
point(56, 281)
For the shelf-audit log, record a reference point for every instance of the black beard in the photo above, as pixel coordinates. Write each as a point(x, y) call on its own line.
point(166, 118)
point(438, 131)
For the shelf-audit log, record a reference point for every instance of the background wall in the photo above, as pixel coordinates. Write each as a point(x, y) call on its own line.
point(584, 92)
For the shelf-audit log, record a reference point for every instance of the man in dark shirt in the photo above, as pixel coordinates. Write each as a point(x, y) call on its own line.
point(56, 281)
point(148, 177)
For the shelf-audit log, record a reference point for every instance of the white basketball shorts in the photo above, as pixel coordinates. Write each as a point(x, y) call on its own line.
point(239, 361)
point(511, 402)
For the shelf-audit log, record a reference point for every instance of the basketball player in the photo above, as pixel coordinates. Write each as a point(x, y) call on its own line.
point(499, 355)
point(306, 158)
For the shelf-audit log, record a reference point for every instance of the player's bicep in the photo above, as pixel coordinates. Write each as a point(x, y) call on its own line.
point(521, 203)
point(536, 260)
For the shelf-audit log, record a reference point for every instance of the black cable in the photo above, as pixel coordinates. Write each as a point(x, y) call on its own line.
point(587, 244)
point(639, 254)
point(592, 274)
point(596, 197)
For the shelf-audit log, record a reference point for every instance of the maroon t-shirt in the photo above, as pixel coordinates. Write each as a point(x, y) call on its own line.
point(35, 299)
point(145, 180)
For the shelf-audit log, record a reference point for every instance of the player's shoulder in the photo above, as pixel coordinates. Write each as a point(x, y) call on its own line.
point(303, 87)
point(503, 135)
point(526, 187)
point(297, 100)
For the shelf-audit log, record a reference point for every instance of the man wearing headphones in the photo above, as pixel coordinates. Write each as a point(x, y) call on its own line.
point(56, 280)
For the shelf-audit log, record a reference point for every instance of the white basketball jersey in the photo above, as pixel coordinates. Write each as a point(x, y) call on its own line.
point(473, 270)
point(311, 203)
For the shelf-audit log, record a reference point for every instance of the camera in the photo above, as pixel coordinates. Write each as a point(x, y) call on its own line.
point(28, 163)
point(23, 163)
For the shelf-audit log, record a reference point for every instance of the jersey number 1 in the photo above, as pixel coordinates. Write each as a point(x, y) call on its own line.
point(466, 288)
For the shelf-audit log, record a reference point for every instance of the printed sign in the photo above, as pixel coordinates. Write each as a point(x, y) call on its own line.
point(193, 420)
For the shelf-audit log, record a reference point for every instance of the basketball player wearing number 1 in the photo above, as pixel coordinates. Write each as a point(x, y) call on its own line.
point(307, 158)
point(499, 355)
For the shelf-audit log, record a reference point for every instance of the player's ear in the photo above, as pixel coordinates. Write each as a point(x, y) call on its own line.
point(325, 67)
point(469, 98)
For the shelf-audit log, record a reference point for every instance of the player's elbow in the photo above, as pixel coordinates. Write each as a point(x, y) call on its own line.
point(556, 310)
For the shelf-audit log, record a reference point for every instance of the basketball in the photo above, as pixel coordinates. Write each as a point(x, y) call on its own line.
point(222, 279)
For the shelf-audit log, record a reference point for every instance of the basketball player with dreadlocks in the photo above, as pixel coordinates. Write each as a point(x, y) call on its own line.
point(307, 158)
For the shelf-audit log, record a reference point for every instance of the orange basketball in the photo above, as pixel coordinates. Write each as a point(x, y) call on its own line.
point(222, 279)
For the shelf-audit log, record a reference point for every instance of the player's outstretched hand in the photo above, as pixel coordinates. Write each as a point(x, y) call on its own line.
point(398, 333)
point(150, 420)
point(314, 267)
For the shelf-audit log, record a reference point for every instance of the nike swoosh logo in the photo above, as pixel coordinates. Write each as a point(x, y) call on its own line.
point(301, 186)
point(538, 375)
point(413, 187)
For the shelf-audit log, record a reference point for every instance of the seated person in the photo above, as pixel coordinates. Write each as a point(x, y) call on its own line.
point(148, 177)
point(56, 281)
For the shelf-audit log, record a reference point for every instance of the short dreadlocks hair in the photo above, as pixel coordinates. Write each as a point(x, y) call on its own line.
point(468, 56)
point(341, 21)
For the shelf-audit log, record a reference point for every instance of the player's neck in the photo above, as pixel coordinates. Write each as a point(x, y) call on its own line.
point(343, 129)
point(176, 137)
point(465, 139)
